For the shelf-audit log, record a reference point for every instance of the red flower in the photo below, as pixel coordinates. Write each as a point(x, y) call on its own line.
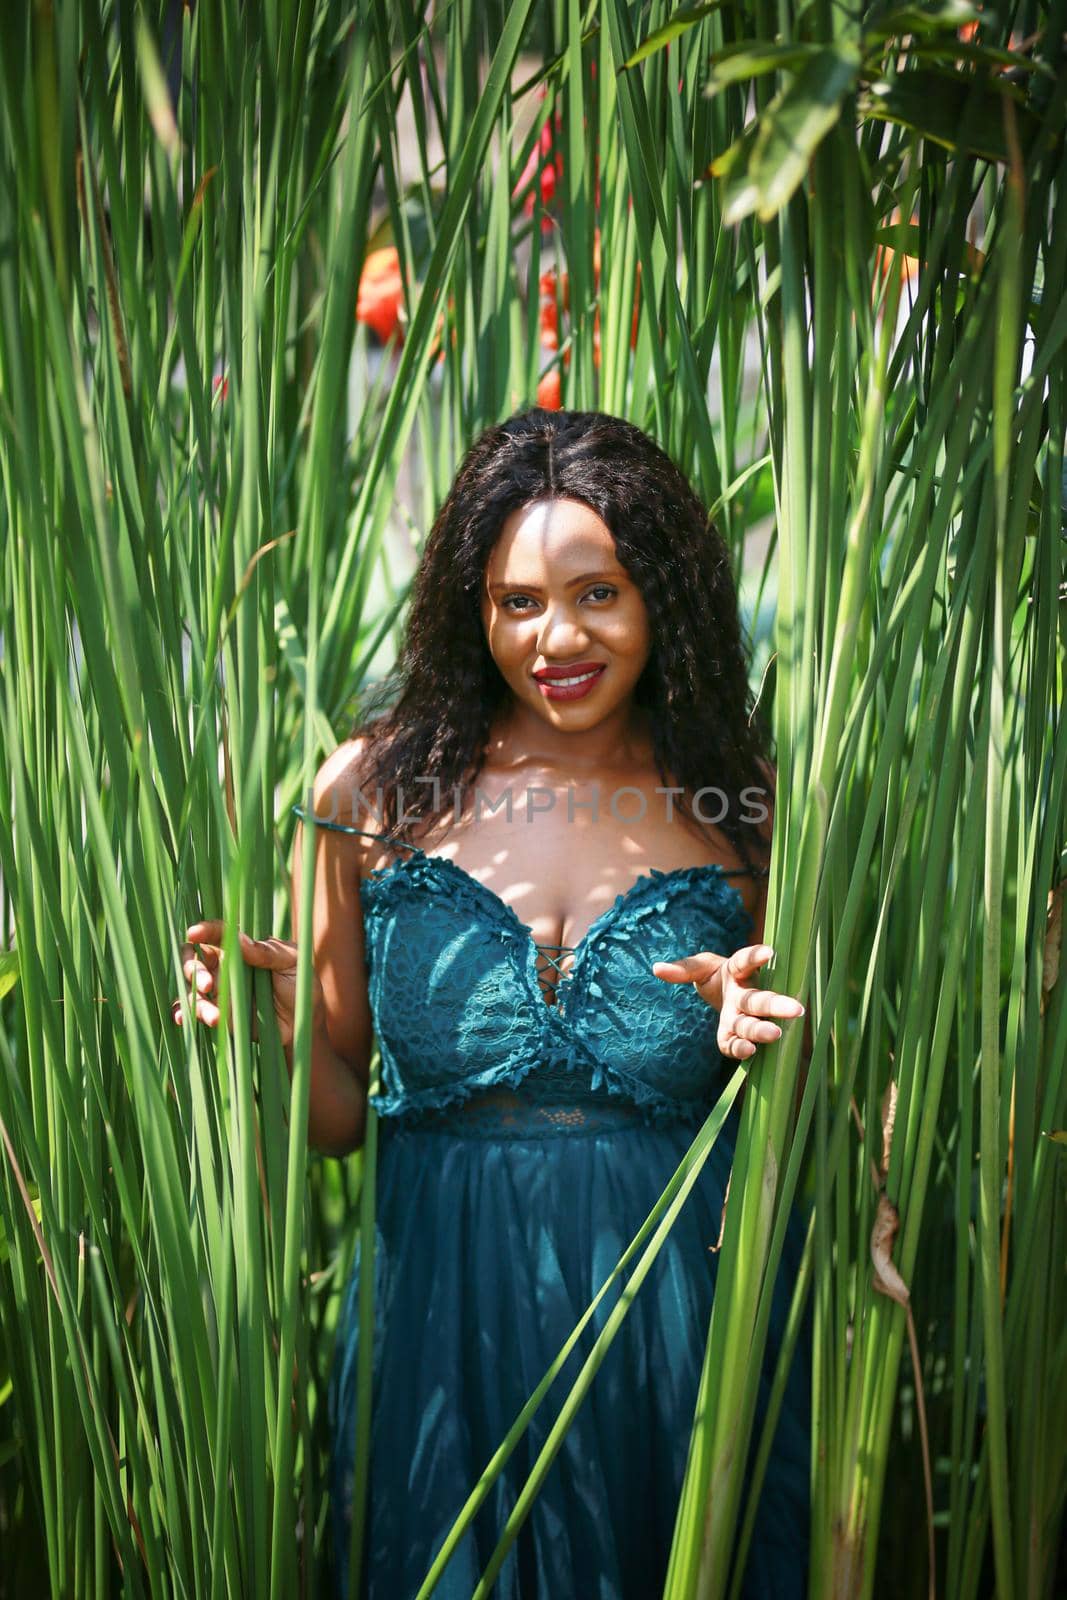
point(554, 289)
point(549, 317)
point(550, 390)
point(545, 158)
point(220, 383)
point(381, 292)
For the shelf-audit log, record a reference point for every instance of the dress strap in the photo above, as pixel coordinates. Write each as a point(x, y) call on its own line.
point(343, 827)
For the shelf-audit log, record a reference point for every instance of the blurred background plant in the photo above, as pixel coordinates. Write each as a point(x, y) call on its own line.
point(264, 273)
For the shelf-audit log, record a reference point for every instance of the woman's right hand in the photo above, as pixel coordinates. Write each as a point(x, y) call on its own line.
point(202, 972)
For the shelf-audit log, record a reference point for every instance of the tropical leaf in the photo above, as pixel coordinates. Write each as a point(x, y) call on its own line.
point(761, 176)
point(953, 110)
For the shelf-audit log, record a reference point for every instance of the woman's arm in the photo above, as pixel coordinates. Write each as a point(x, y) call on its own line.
point(342, 1027)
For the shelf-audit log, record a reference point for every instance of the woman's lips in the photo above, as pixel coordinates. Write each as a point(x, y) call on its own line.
point(555, 689)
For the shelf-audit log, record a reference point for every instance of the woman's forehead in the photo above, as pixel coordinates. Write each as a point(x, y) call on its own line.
point(557, 534)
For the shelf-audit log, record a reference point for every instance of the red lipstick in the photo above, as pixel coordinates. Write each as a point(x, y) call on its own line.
point(588, 672)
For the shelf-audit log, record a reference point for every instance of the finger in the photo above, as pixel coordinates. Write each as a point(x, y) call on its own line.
point(742, 963)
point(200, 975)
point(206, 956)
point(732, 1045)
point(278, 954)
point(689, 969)
point(768, 1003)
point(206, 1010)
point(755, 1029)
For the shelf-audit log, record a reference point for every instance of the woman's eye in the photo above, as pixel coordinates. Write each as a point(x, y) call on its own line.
point(600, 591)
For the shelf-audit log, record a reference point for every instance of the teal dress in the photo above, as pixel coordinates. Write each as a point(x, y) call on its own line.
point(496, 1227)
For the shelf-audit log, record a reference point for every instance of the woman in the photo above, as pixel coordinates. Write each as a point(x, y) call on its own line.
point(523, 889)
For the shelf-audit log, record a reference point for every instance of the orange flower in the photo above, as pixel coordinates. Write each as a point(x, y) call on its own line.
point(381, 292)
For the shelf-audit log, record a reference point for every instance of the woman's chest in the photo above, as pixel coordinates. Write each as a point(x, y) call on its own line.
point(560, 853)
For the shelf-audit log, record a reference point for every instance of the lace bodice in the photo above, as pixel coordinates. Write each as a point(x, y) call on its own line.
point(456, 991)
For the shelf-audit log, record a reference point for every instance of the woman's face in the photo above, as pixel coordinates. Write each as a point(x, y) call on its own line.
point(555, 596)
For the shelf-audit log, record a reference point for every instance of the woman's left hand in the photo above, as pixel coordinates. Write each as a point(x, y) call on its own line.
point(743, 1009)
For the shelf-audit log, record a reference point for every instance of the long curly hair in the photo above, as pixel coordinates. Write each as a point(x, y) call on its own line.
point(445, 691)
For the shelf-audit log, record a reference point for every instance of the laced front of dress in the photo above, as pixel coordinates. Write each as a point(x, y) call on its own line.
point(474, 1035)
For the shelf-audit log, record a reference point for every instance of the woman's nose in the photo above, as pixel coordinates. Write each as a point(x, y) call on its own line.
point(561, 628)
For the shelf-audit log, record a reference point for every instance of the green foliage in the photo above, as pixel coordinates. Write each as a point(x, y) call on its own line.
point(841, 235)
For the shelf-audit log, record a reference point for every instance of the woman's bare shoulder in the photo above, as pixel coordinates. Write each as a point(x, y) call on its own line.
point(338, 794)
point(340, 775)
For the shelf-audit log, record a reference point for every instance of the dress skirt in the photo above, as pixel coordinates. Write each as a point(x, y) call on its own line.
point(494, 1233)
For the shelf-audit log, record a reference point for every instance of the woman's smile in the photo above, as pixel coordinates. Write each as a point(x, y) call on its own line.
point(569, 683)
